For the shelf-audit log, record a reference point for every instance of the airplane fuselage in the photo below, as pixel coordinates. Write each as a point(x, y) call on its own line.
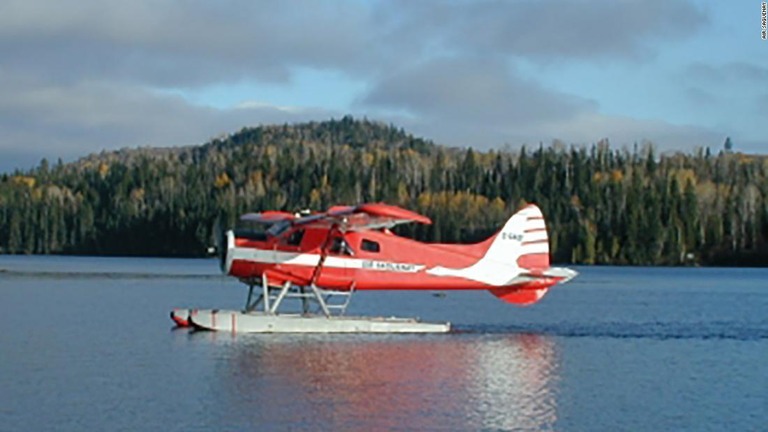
point(381, 260)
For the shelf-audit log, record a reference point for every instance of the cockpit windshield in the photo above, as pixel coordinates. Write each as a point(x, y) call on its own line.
point(251, 230)
point(278, 228)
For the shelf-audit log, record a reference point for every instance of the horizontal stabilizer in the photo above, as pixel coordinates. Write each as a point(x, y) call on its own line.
point(560, 274)
point(531, 286)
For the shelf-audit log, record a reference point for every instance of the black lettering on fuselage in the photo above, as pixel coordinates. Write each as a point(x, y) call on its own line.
point(511, 236)
point(389, 266)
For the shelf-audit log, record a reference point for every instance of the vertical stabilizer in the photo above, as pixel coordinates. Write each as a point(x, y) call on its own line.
point(523, 240)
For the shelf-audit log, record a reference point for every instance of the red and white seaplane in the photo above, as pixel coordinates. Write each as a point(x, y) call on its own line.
point(318, 257)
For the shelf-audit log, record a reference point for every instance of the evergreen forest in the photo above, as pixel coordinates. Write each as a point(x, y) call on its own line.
point(603, 205)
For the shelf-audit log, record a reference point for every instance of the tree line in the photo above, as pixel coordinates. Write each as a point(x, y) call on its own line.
point(603, 205)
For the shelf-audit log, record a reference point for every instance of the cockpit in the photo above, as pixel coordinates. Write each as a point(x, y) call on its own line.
point(252, 230)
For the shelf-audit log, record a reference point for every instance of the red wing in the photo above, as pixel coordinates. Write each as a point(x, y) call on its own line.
point(363, 216)
point(267, 217)
point(392, 212)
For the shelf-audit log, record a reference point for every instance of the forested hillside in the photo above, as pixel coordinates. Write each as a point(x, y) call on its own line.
point(603, 205)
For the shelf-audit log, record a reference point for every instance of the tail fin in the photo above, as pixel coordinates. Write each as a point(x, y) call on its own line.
point(524, 240)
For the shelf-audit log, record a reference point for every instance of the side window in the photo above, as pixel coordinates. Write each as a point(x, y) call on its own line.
point(295, 238)
point(339, 247)
point(370, 246)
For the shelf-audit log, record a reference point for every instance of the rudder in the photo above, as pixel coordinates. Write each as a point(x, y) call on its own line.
point(524, 240)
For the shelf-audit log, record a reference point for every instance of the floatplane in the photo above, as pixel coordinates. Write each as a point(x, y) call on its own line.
point(322, 259)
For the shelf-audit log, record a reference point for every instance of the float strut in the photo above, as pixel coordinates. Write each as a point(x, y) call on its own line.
point(265, 295)
point(248, 305)
point(281, 296)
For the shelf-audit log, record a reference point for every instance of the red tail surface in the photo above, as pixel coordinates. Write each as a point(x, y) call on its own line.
point(524, 241)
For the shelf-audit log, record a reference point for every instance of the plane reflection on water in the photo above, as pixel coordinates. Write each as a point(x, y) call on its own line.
point(458, 382)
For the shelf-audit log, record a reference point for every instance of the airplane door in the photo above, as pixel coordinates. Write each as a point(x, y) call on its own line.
point(337, 270)
point(289, 244)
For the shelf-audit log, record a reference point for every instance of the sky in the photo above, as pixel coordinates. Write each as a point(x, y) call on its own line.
point(83, 76)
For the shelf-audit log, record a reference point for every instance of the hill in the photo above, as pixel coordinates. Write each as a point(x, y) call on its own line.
point(603, 205)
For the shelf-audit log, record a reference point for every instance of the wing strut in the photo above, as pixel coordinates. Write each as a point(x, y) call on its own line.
point(323, 254)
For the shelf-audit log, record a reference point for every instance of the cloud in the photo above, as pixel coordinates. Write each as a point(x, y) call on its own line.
point(180, 44)
point(83, 76)
point(472, 91)
point(486, 104)
point(189, 44)
point(548, 29)
point(72, 121)
point(39, 121)
point(726, 95)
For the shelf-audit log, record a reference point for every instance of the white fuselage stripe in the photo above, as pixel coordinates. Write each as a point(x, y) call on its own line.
point(312, 260)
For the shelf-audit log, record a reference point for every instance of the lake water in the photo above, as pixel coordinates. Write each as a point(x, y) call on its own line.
point(86, 344)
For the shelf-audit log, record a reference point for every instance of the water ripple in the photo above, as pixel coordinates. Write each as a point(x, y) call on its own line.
point(715, 330)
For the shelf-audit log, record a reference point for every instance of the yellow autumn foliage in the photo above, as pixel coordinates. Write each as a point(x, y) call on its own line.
point(598, 177)
point(24, 180)
point(683, 176)
point(222, 180)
